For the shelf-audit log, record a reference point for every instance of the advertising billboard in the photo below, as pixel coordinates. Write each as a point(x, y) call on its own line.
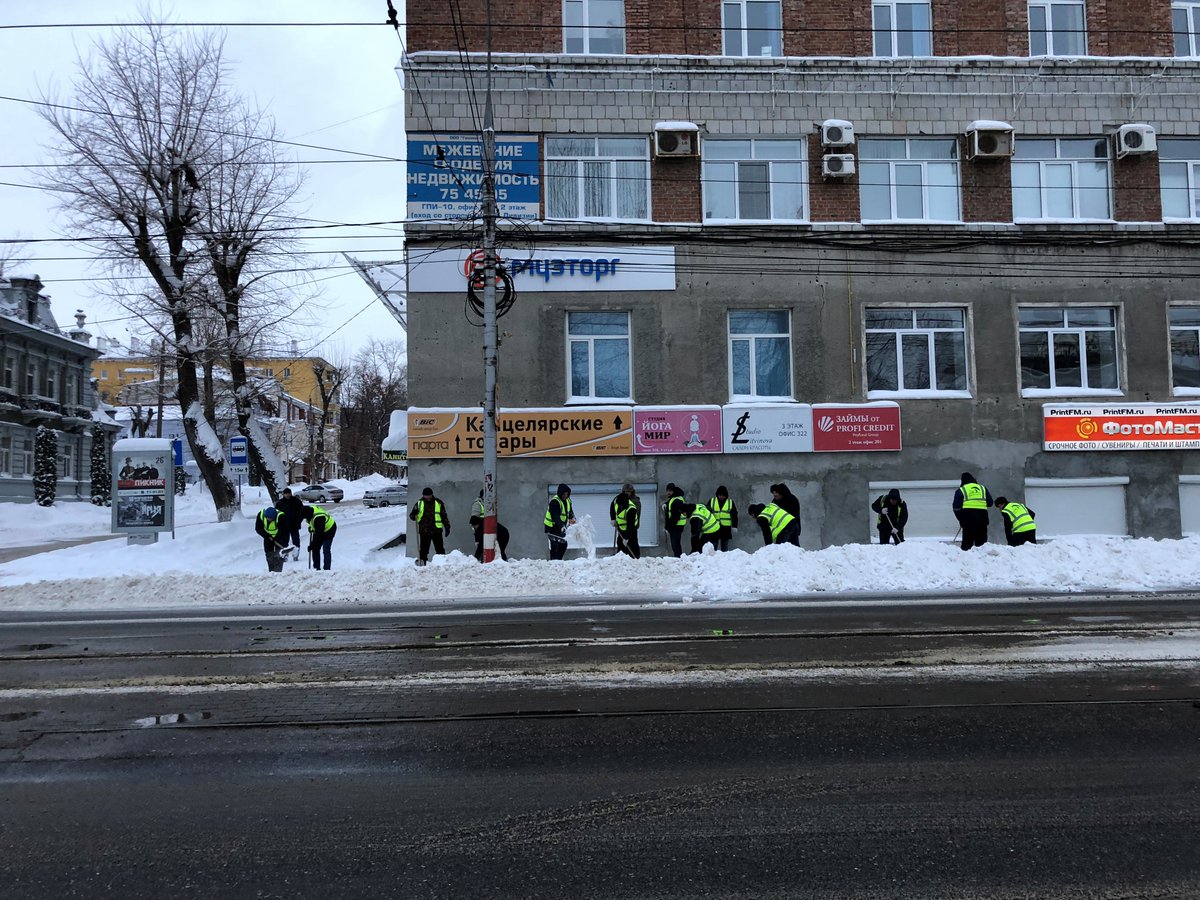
point(1131, 426)
point(445, 174)
point(862, 427)
point(767, 428)
point(676, 429)
point(540, 269)
point(143, 491)
point(569, 431)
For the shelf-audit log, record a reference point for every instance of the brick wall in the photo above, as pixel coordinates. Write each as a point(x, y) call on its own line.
point(829, 199)
point(969, 29)
point(1139, 29)
point(821, 28)
point(675, 189)
point(1136, 196)
point(531, 26)
point(687, 27)
point(986, 187)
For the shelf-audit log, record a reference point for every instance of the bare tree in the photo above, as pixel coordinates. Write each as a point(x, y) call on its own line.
point(329, 384)
point(375, 384)
point(11, 257)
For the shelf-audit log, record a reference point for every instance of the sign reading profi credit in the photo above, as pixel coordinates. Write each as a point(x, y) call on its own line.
point(676, 429)
point(871, 426)
point(1136, 426)
point(571, 431)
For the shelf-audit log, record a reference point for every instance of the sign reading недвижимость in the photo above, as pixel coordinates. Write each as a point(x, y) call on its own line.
point(445, 174)
point(1134, 426)
point(571, 431)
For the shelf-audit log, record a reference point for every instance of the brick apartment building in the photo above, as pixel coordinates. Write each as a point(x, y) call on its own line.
point(846, 246)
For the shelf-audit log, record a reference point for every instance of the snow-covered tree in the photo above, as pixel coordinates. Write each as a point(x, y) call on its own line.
point(101, 473)
point(45, 465)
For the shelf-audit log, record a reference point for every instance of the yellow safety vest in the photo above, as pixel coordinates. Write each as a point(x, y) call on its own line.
point(974, 496)
point(709, 524)
point(627, 517)
point(564, 506)
point(270, 526)
point(437, 513)
point(319, 513)
point(777, 518)
point(676, 518)
point(1019, 517)
point(722, 512)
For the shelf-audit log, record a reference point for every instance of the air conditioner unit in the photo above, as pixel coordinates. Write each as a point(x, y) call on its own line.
point(837, 133)
point(989, 144)
point(676, 143)
point(837, 165)
point(1133, 139)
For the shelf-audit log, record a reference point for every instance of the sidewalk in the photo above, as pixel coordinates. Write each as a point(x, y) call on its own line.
point(8, 554)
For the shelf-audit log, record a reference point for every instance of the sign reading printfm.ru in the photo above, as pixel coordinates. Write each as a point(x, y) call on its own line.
point(1135, 426)
point(568, 431)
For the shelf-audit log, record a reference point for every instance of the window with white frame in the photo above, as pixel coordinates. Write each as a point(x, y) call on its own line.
point(71, 393)
point(1061, 178)
point(1068, 350)
point(1057, 28)
point(23, 458)
point(597, 178)
point(66, 460)
point(920, 350)
point(902, 28)
point(1185, 22)
point(760, 353)
point(52, 382)
point(31, 377)
point(10, 372)
point(757, 180)
point(908, 179)
point(598, 356)
point(594, 26)
point(5, 453)
point(1185, 349)
point(1179, 177)
point(752, 27)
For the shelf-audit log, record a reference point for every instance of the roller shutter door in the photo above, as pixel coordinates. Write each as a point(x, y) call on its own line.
point(1078, 506)
point(929, 514)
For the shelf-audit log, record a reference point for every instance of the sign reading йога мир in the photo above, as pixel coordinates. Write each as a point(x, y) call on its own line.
point(570, 431)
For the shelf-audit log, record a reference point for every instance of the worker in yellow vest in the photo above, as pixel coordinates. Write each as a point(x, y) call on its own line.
point(321, 530)
point(674, 518)
point(559, 515)
point(432, 523)
point(705, 526)
point(726, 512)
point(269, 525)
point(778, 525)
point(971, 502)
point(1019, 527)
point(628, 516)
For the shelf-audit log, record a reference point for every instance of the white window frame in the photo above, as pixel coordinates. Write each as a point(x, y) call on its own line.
point(1050, 36)
point(66, 460)
point(742, 31)
point(1179, 390)
point(579, 177)
point(31, 378)
point(760, 149)
point(1189, 10)
point(590, 341)
point(1080, 331)
point(751, 338)
point(933, 391)
point(10, 372)
point(6, 442)
point(1044, 188)
point(589, 31)
point(1187, 158)
point(892, 34)
point(909, 161)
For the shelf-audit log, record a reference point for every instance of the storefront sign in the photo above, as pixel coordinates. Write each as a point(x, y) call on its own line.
point(445, 173)
point(676, 429)
point(571, 431)
point(1136, 426)
point(755, 428)
point(561, 269)
point(143, 492)
point(870, 426)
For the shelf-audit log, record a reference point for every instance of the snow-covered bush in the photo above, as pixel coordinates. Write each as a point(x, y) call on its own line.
point(101, 474)
point(45, 466)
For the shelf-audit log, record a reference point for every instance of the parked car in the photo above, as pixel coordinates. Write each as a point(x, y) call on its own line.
point(392, 495)
point(320, 493)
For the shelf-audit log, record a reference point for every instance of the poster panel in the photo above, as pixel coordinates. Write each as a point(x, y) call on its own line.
point(767, 428)
point(569, 431)
point(1136, 426)
point(445, 176)
point(860, 427)
point(143, 495)
point(676, 429)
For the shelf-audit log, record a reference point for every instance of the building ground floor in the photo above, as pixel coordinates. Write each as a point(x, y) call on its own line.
point(17, 462)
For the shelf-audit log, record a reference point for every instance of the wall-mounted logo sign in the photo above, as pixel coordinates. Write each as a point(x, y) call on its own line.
point(872, 426)
point(570, 431)
point(562, 269)
point(767, 428)
point(676, 429)
point(1135, 426)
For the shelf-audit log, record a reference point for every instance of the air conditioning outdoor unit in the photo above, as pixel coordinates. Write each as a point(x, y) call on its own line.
point(837, 165)
point(1134, 139)
point(837, 133)
point(989, 144)
point(676, 143)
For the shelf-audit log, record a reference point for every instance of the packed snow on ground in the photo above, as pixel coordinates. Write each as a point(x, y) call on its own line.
point(210, 564)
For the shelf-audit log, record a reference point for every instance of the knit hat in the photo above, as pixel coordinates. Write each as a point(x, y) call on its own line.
point(671, 486)
point(968, 478)
point(1000, 502)
point(722, 491)
point(754, 509)
point(627, 488)
point(894, 494)
point(563, 490)
point(270, 513)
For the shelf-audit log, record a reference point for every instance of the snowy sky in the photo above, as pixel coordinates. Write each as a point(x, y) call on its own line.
point(331, 86)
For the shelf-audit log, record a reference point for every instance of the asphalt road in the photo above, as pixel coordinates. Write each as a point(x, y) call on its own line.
point(775, 750)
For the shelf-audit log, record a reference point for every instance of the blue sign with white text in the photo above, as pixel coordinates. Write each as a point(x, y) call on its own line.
point(445, 175)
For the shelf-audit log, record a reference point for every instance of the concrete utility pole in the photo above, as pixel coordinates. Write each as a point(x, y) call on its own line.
point(490, 340)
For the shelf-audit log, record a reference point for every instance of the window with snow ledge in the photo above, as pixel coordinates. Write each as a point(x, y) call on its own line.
point(916, 353)
point(902, 28)
point(605, 178)
point(1061, 180)
point(1179, 178)
point(598, 357)
point(1069, 351)
point(1185, 22)
point(752, 27)
point(1057, 28)
point(760, 354)
point(1185, 350)
point(908, 180)
point(594, 26)
point(752, 180)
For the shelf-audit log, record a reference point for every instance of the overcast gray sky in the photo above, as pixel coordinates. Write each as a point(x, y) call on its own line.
point(331, 86)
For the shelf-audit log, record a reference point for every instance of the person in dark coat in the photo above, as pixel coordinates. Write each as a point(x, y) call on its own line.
point(705, 526)
point(432, 523)
point(788, 502)
point(558, 516)
point(476, 522)
point(777, 524)
point(628, 516)
point(321, 529)
point(1019, 525)
point(893, 516)
point(674, 518)
point(726, 512)
point(292, 508)
point(268, 525)
point(971, 502)
point(621, 501)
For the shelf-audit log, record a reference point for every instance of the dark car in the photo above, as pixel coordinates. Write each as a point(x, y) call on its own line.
point(320, 493)
point(392, 495)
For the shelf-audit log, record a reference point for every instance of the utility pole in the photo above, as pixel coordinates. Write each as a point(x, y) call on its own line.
point(490, 340)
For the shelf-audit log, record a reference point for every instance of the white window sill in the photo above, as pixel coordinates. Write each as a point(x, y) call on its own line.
point(756, 222)
point(569, 220)
point(918, 395)
point(1070, 392)
point(744, 399)
point(599, 401)
point(1064, 221)
point(912, 222)
point(1185, 392)
point(1180, 220)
